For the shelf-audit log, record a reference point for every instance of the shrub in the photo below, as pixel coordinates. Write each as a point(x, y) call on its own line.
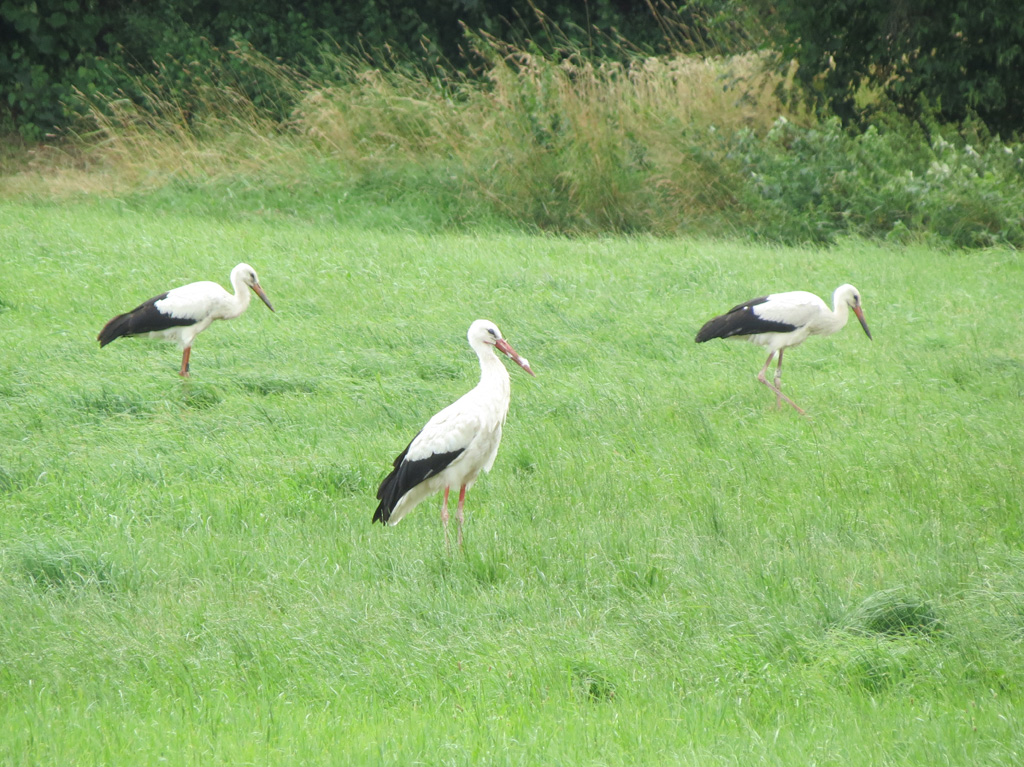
point(820, 182)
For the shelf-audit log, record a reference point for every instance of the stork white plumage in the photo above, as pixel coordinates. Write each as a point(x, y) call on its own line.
point(459, 442)
point(782, 320)
point(183, 313)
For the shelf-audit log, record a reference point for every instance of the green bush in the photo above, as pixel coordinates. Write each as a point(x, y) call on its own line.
point(813, 184)
point(48, 49)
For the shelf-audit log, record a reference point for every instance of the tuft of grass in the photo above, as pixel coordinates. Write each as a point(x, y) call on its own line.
point(9, 481)
point(591, 684)
point(105, 403)
point(332, 479)
point(65, 567)
point(197, 396)
point(490, 567)
point(893, 612)
point(875, 667)
point(270, 385)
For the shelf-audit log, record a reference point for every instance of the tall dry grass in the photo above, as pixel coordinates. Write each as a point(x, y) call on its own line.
point(569, 144)
point(614, 145)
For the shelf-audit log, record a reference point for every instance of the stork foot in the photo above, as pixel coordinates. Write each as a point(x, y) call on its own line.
point(779, 395)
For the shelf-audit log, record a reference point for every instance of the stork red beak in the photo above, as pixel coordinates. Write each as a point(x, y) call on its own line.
point(863, 322)
point(504, 347)
point(263, 296)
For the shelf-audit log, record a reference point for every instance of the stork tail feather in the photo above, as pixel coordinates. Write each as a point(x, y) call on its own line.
point(117, 327)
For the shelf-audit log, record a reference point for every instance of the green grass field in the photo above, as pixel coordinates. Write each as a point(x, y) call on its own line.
point(661, 569)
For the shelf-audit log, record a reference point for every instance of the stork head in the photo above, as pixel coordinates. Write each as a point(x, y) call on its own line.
point(485, 333)
point(247, 275)
point(849, 295)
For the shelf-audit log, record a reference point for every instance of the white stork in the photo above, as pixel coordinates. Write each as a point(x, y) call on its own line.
point(183, 313)
point(782, 320)
point(457, 443)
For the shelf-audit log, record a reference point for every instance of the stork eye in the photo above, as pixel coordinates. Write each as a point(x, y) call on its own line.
point(493, 332)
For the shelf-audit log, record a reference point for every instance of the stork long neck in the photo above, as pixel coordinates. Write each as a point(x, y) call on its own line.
point(493, 375)
point(240, 300)
point(836, 319)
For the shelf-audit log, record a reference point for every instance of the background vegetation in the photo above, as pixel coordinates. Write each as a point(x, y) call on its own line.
point(50, 49)
point(947, 60)
point(575, 130)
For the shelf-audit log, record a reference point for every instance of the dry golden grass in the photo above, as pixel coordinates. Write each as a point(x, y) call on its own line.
point(611, 137)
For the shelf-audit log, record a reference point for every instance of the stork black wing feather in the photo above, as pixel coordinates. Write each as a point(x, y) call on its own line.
point(741, 320)
point(406, 475)
point(144, 318)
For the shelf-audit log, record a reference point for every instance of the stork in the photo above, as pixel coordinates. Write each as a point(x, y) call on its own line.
point(456, 444)
point(782, 320)
point(183, 313)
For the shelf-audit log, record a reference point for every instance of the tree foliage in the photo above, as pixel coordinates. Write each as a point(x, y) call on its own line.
point(946, 60)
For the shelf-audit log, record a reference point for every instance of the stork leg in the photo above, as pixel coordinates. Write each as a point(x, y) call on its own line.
point(444, 519)
point(761, 376)
point(778, 382)
point(459, 511)
point(184, 362)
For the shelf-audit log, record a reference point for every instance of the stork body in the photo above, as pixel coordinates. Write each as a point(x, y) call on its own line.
point(781, 320)
point(456, 444)
point(183, 313)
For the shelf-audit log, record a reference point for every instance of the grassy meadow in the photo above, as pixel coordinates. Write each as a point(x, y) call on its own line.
point(661, 568)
